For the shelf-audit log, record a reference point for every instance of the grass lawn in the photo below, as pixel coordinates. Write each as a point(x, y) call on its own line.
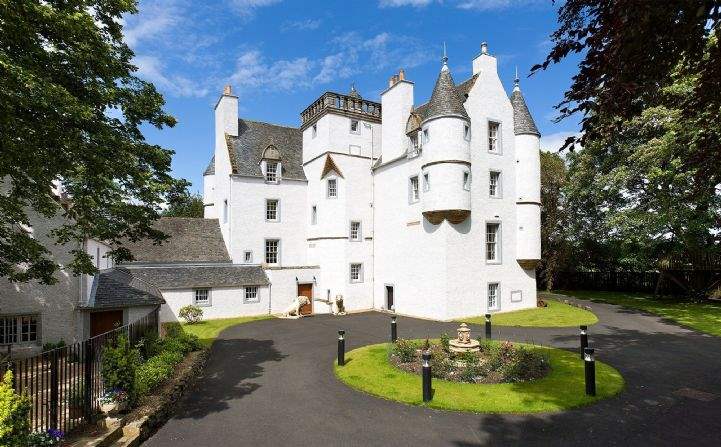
point(557, 314)
point(705, 317)
point(368, 369)
point(208, 330)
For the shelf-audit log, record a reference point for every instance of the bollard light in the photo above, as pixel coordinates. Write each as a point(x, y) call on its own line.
point(427, 385)
point(488, 326)
point(394, 329)
point(341, 348)
point(584, 339)
point(590, 369)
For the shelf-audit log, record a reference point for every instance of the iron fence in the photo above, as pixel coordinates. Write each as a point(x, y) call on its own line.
point(668, 282)
point(64, 384)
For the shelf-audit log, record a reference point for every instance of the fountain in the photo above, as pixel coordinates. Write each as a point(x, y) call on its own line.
point(464, 343)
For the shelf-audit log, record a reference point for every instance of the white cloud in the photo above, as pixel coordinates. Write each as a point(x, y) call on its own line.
point(336, 66)
point(399, 3)
point(488, 5)
point(253, 71)
point(384, 50)
point(553, 142)
point(152, 69)
point(155, 19)
point(302, 25)
point(246, 8)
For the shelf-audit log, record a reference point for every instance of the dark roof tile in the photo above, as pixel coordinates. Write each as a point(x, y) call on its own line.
point(118, 288)
point(179, 277)
point(445, 99)
point(522, 120)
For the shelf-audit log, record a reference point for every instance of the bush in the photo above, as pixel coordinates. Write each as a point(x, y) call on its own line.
point(446, 342)
point(161, 366)
point(441, 362)
point(191, 314)
point(49, 438)
point(49, 346)
point(405, 350)
point(181, 342)
point(14, 414)
point(119, 365)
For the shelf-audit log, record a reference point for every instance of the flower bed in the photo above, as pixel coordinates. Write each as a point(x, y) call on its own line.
point(496, 362)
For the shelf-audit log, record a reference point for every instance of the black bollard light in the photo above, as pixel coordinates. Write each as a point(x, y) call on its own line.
point(584, 339)
point(427, 389)
point(488, 326)
point(590, 364)
point(341, 348)
point(394, 329)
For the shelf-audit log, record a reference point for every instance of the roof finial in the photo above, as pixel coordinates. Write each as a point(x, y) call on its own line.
point(445, 58)
point(516, 82)
point(353, 92)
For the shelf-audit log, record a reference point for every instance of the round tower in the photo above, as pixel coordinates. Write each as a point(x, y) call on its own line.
point(528, 182)
point(446, 154)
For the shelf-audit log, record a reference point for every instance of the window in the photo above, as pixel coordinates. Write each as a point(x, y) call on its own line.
point(426, 182)
point(271, 251)
point(202, 297)
point(467, 181)
point(248, 256)
point(493, 137)
point(225, 211)
point(356, 273)
point(18, 329)
point(492, 238)
point(251, 295)
point(413, 193)
point(355, 231)
point(314, 130)
point(332, 188)
point(271, 210)
point(426, 136)
point(493, 298)
point(354, 126)
point(467, 132)
point(313, 215)
point(494, 184)
point(414, 141)
point(271, 171)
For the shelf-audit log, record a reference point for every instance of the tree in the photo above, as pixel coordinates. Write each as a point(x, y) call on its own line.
point(184, 204)
point(554, 239)
point(70, 116)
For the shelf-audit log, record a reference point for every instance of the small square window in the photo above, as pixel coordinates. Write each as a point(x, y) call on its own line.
point(251, 295)
point(332, 188)
point(426, 182)
point(467, 181)
point(413, 191)
point(202, 297)
point(314, 130)
point(313, 215)
point(354, 126)
point(271, 251)
point(271, 210)
point(271, 172)
point(356, 273)
point(494, 184)
point(355, 231)
point(494, 300)
point(248, 257)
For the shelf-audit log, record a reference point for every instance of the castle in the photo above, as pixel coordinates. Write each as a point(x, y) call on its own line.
point(430, 210)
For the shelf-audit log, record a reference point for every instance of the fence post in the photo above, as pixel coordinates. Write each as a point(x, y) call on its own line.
point(54, 389)
point(88, 380)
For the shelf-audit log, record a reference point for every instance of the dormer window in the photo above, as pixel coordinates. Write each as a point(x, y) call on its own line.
point(414, 141)
point(271, 171)
point(332, 188)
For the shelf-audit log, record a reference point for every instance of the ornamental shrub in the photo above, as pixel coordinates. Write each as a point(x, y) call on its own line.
point(119, 364)
point(191, 314)
point(441, 362)
point(161, 366)
point(14, 414)
point(446, 342)
point(405, 350)
point(149, 345)
point(182, 343)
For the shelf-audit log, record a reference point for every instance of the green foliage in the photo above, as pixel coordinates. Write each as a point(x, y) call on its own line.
point(555, 245)
point(181, 342)
point(445, 342)
point(14, 415)
point(405, 350)
point(161, 366)
point(119, 364)
point(441, 361)
point(191, 314)
point(184, 204)
point(49, 346)
point(150, 345)
point(72, 112)
point(76, 396)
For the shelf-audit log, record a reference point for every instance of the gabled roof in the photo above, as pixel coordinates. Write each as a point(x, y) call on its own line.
point(445, 100)
point(330, 166)
point(118, 288)
point(192, 240)
point(522, 120)
point(192, 276)
point(247, 149)
point(210, 170)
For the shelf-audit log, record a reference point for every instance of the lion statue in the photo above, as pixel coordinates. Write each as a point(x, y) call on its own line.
point(338, 306)
point(294, 309)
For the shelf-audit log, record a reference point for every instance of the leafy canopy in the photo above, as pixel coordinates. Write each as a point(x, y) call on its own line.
point(71, 111)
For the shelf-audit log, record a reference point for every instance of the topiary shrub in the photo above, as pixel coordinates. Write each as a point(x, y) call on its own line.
point(191, 314)
point(14, 414)
point(405, 350)
point(119, 364)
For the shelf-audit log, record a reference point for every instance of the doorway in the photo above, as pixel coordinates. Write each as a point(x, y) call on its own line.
point(306, 290)
point(102, 322)
point(390, 305)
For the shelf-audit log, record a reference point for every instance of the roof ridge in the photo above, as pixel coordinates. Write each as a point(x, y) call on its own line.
point(127, 272)
point(267, 124)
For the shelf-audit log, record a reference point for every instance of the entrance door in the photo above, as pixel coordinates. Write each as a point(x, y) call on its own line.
point(306, 290)
point(102, 322)
point(389, 297)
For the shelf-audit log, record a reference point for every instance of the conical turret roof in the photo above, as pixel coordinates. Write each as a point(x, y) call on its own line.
point(522, 120)
point(445, 100)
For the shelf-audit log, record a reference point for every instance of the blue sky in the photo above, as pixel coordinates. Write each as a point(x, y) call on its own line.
point(280, 55)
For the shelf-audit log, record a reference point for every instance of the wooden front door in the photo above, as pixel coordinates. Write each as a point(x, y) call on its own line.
point(306, 290)
point(102, 322)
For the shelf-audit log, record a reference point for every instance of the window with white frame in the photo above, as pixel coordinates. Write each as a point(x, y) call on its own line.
point(332, 188)
point(314, 130)
point(19, 329)
point(251, 295)
point(271, 171)
point(271, 210)
point(248, 256)
point(494, 184)
point(493, 133)
point(313, 215)
point(426, 182)
point(271, 251)
point(354, 126)
point(494, 300)
point(493, 231)
point(413, 192)
point(202, 297)
point(414, 141)
point(355, 231)
point(356, 272)
point(467, 132)
point(467, 180)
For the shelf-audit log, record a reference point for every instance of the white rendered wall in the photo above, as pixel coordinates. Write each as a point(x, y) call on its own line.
point(445, 140)
point(396, 106)
point(528, 196)
point(226, 302)
point(333, 134)
point(446, 190)
point(284, 287)
point(226, 113)
point(210, 208)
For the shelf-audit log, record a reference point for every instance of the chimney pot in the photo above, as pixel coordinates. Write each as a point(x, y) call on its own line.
point(484, 48)
point(227, 90)
point(401, 75)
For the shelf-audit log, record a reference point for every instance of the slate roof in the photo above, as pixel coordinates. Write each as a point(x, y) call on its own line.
point(190, 276)
point(246, 150)
point(192, 240)
point(118, 288)
point(462, 91)
point(210, 170)
point(522, 120)
point(445, 99)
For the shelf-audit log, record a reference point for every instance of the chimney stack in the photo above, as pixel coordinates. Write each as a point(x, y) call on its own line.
point(227, 90)
point(402, 75)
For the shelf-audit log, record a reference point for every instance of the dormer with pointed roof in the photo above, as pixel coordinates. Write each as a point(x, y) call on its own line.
point(444, 99)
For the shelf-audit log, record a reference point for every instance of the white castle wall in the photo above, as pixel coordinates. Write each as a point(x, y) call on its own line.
point(226, 302)
point(333, 134)
point(210, 208)
point(528, 196)
point(396, 106)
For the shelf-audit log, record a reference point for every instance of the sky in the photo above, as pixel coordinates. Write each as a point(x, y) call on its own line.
point(281, 55)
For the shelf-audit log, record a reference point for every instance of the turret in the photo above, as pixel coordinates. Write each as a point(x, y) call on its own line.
point(528, 182)
point(446, 154)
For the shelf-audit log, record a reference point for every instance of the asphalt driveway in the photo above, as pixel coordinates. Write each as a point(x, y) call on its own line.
point(271, 383)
